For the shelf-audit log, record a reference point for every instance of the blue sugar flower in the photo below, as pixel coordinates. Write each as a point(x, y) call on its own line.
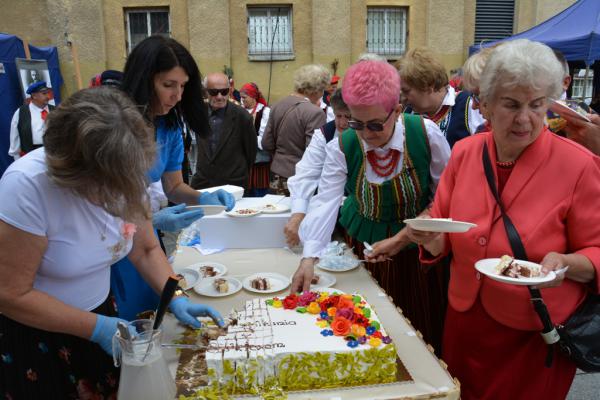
point(352, 343)
point(370, 330)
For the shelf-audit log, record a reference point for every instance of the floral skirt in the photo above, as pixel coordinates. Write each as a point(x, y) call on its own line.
point(39, 364)
point(421, 292)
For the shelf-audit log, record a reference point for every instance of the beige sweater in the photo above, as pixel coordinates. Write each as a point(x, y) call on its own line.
point(291, 125)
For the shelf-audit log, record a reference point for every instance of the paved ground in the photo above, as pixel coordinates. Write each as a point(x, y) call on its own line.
point(586, 386)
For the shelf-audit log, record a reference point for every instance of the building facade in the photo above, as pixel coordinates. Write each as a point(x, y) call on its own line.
point(265, 41)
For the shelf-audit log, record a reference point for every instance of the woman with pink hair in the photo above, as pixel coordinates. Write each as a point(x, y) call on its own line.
point(389, 163)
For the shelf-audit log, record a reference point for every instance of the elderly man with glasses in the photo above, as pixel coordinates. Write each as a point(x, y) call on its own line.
point(227, 153)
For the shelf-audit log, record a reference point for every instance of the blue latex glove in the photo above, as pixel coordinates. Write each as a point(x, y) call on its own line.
point(105, 329)
point(218, 198)
point(186, 312)
point(173, 219)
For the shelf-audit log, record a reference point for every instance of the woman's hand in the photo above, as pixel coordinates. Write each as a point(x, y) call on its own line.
point(303, 276)
point(387, 248)
point(553, 262)
point(186, 312)
point(580, 268)
point(291, 229)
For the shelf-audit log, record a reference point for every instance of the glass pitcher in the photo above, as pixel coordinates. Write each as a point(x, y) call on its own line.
point(144, 371)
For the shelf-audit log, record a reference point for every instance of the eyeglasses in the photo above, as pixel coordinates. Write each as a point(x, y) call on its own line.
point(372, 126)
point(214, 92)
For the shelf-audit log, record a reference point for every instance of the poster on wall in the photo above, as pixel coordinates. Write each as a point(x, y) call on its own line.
point(31, 71)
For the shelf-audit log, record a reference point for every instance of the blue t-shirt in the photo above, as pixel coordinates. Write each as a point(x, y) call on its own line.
point(169, 150)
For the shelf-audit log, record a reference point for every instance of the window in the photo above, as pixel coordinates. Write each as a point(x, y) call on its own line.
point(143, 23)
point(583, 86)
point(270, 33)
point(386, 31)
point(493, 19)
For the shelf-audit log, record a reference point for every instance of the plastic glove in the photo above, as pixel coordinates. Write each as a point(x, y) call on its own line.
point(186, 312)
point(217, 198)
point(173, 219)
point(105, 329)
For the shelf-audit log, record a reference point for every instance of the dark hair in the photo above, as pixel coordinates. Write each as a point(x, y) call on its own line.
point(337, 101)
point(91, 139)
point(157, 54)
point(563, 61)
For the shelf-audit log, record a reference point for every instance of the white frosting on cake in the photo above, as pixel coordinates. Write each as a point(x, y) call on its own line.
point(264, 336)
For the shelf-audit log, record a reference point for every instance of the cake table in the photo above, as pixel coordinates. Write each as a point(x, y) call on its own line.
point(427, 376)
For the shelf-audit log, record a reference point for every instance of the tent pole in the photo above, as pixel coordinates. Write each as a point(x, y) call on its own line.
point(26, 47)
point(75, 56)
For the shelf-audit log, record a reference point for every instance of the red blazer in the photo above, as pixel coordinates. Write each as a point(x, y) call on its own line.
point(552, 196)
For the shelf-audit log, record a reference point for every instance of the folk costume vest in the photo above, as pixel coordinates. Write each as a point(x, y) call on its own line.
point(24, 128)
point(328, 130)
point(372, 211)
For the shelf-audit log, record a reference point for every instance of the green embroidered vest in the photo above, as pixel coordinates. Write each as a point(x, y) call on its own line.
point(372, 211)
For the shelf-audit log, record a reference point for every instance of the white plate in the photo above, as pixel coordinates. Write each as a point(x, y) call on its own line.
point(236, 213)
point(329, 290)
point(191, 277)
point(488, 267)
point(439, 225)
point(277, 281)
point(208, 209)
point(558, 107)
point(219, 268)
point(325, 280)
point(275, 208)
point(206, 287)
point(336, 269)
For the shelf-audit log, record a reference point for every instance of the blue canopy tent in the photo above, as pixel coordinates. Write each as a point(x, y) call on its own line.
point(11, 47)
point(575, 32)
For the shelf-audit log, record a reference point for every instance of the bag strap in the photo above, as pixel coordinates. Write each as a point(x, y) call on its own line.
point(549, 332)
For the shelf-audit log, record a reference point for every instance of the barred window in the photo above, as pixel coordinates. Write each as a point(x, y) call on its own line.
point(386, 31)
point(270, 33)
point(143, 23)
point(583, 85)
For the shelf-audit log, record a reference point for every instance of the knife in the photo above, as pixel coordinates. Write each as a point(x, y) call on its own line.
point(165, 298)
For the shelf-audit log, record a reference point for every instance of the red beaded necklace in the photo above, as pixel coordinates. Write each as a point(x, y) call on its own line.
point(383, 165)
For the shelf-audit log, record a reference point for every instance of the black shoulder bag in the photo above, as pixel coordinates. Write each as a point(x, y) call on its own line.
point(579, 337)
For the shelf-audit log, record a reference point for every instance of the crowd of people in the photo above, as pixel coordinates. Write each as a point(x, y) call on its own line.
point(101, 178)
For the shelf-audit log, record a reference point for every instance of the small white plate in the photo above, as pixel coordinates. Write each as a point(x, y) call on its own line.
point(191, 277)
point(445, 225)
point(277, 281)
point(329, 290)
point(488, 267)
point(325, 280)
point(206, 287)
point(208, 209)
point(337, 269)
point(565, 111)
point(220, 269)
point(251, 212)
point(275, 208)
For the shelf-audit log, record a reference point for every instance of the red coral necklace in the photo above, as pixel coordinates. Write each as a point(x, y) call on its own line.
point(385, 164)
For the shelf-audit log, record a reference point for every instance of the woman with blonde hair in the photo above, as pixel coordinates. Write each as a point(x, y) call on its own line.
point(426, 91)
point(292, 123)
point(75, 213)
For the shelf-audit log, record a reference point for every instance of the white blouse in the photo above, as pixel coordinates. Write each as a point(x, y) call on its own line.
point(317, 227)
point(303, 184)
point(263, 122)
point(83, 239)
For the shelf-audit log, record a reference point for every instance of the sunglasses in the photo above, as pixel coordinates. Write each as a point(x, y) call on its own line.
point(214, 92)
point(372, 126)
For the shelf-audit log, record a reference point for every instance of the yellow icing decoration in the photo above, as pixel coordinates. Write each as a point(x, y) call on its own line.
point(358, 310)
point(331, 311)
point(314, 308)
point(375, 342)
point(322, 324)
point(277, 304)
point(358, 330)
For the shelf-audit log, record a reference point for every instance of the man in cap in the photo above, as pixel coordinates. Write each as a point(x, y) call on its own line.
point(28, 123)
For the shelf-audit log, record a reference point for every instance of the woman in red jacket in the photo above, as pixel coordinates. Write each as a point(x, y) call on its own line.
point(549, 187)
